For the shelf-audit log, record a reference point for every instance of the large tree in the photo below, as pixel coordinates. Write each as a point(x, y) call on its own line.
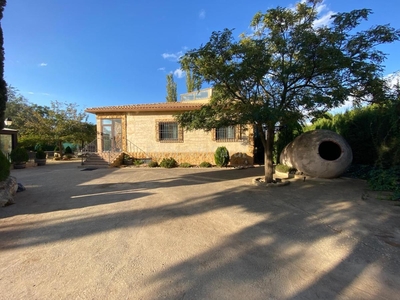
point(3, 85)
point(61, 122)
point(172, 95)
point(287, 70)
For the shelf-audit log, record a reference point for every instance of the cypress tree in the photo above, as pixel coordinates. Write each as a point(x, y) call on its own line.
point(171, 89)
point(3, 85)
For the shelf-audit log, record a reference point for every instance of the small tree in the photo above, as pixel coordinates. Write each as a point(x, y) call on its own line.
point(171, 89)
point(287, 70)
point(221, 156)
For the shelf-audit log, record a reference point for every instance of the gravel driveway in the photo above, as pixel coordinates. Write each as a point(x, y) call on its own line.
point(141, 233)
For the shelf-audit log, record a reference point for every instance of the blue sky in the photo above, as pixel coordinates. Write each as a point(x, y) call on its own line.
point(99, 53)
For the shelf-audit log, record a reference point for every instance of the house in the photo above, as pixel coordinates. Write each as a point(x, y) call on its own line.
point(150, 131)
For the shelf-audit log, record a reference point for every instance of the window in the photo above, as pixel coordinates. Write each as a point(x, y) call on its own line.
point(168, 131)
point(227, 134)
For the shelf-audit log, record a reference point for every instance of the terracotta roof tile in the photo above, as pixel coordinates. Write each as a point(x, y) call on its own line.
point(171, 106)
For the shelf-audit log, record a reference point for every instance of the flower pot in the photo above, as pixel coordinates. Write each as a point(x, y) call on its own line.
point(20, 165)
point(128, 162)
point(40, 161)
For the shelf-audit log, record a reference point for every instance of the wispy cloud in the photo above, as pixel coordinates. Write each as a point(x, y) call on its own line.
point(172, 56)
point(179, 73)
point(41, 94)
point(392, 79)
point(43, 64)
point(161, 69)
point(202, 14)
point(323, 14)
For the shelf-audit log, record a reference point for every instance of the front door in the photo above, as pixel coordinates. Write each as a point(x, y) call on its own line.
point(111, 135)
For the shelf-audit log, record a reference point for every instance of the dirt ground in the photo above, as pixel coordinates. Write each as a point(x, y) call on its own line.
point(141, 233)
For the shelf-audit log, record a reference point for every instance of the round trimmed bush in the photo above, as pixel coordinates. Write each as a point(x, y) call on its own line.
point(168, 163)
point(221, 156)
point(205, 164)
point(19, 155)
point(153, 164)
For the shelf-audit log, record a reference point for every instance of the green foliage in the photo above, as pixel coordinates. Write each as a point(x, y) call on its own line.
point(138, 162)
point(4, 167)
point(168, 163)
point(373, 132)
point(185, 165)
point(153, 164)
point(40, 154)
point(385, 180)
point(68, 150)
point(284, 168)
point(266, 77)
point(221, 156)
point(171, 89)
point(61, 122)
point(205, 164)
point(19, 155)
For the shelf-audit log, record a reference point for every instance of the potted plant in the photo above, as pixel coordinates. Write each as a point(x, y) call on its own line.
point(40, 157)
point(127, 160)
point(19, 156)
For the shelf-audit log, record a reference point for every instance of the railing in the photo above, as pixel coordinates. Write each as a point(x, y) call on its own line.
point(112, 148)
point(135, 151)
point(203, 94)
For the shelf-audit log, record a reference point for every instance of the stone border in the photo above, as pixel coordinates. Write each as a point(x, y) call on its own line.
point(278, 183)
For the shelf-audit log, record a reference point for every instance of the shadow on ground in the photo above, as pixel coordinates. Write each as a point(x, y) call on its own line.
point(212, 234)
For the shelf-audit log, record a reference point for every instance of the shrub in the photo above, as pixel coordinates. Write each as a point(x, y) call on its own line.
point(153, 164)
point(4, 167)
point(385, 180)
point(19, 155)
point(168, 163)
point(205, 164)
point(285, 169)
point(185, 165)
point(40, 154)
point(221, 156)
point(68, 150)
point(138, 162)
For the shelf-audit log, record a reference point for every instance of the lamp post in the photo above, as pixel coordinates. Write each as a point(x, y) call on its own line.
point(8, 122)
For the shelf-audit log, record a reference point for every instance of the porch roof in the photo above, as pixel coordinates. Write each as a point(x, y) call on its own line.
point(168, 106)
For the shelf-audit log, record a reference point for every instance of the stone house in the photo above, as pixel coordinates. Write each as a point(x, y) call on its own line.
point(150, 131)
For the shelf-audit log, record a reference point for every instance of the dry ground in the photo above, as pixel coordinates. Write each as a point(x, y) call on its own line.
point(138, 233)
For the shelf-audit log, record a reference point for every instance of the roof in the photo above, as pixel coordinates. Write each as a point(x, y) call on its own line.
point(167, 106)
point(8, 130)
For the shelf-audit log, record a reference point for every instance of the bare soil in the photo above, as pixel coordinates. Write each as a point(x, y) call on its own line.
point(141, 233)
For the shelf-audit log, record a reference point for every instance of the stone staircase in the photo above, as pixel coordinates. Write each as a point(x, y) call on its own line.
point(102, 160)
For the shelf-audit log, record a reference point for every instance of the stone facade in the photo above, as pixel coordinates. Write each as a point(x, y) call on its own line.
point(140, 139)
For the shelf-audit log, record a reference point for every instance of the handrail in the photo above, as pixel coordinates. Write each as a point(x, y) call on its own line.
point(134, 149)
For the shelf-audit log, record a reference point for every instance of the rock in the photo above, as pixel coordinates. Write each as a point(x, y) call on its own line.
point(8, 189)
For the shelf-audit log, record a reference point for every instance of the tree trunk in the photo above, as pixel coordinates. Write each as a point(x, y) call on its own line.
point(267, 138)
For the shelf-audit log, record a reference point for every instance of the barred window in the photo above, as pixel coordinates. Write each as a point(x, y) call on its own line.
point(168, 132)
point(227, 134)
